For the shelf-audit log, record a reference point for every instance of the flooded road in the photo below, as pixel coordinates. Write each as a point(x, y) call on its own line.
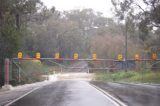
point(66, 93)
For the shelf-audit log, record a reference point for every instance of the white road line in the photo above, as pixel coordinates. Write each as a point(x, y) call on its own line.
point(21, 97)
point(109, 97)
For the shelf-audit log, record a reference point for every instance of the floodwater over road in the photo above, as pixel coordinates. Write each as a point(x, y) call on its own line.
point(65, 93)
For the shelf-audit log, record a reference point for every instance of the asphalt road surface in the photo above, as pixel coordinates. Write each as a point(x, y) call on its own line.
point(65, 93)
point(133, 94)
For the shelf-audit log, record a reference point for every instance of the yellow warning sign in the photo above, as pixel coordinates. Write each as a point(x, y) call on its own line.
point(137, 57)
point(120, 57)
point(75, 56)
point(154, 56)
point(38, 55)
point(94, 56)
point(20, 55)
point(57, 56)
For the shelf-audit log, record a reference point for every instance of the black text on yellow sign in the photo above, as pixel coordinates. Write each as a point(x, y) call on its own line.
point(20, 55)
point(154, 56)
point(120, 57)
point(137, 57)
point(75, 56)
point(57, 56)
point(94, 56)
point(38, 55)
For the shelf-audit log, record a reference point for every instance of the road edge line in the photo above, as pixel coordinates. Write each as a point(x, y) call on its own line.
point(117, 101)
point(139, 84)
point(13, 101)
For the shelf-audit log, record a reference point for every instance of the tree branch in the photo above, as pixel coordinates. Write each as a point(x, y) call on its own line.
point(156, 25)
point(153, 4)
point(139, 7)
point(145, 2)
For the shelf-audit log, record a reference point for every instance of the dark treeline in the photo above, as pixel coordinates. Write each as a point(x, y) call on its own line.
point(14, 15)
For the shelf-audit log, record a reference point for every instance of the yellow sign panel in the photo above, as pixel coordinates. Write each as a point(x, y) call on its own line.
point(154, 56)
point(57, 56)
point(38, 55)
point(120, 57)
point(137, 57)
point(94, 56)
point(75, 56)
point(20, 55)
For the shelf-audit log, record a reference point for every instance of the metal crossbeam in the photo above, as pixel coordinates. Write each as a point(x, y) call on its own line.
point(70, 59)
point(91, 68)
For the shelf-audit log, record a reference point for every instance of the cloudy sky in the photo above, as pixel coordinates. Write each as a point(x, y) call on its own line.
point(103, 6)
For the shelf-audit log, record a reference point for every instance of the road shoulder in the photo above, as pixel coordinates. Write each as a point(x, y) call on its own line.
point(18, 91)
point(132, 95)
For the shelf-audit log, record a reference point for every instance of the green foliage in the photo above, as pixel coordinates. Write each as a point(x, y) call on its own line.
point(144, 14)
point(130, 76)
point(9, 44)
point(149, 14)
point(32, 71)
point(11, 12)
point(9, 41)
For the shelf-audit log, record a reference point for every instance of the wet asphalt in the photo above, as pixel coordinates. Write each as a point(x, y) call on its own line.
point(132, 94)
point(65, 93)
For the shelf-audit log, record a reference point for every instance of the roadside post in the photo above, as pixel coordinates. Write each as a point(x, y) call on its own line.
point(137, 60)
point(61, 69)
point(19, 56)
point(88, 70)
point(6, 71)
point(19, 72)
point(6, 86)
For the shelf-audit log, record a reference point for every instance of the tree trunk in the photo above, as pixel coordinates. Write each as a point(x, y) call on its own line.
point(18, 21)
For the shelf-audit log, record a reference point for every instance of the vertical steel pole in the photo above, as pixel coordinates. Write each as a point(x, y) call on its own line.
point(6, 71)
point(61, 70)
point(88, 70)
point(126, 45)
point(10, 73)
point(19, 73)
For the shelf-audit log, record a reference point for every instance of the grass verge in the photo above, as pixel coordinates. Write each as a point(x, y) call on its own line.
point(32, 71)
point(145, 76)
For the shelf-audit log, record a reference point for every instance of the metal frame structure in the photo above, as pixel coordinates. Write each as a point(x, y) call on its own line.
point(70, 59)
point(53, 60)
point(16, 61)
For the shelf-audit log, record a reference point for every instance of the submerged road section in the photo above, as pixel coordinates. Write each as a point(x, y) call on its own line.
point(65, 93)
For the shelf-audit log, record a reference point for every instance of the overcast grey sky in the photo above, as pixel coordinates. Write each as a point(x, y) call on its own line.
point(103, 6)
